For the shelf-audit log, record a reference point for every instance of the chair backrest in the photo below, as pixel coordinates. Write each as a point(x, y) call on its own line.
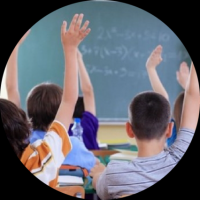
point(75, 191)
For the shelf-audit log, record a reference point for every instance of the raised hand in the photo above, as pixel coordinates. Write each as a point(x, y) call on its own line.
point(75, 34)
point(155, 58)
point(152, 62)
point(12, 74)
point(183, 74)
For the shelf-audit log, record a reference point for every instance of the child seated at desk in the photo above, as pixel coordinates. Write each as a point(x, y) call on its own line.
point(182, 76)
point(44, 157)
point(43, 102)
point(149, 122)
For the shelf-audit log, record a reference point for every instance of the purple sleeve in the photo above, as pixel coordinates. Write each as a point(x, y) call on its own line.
point(90, 126)
point(70, 130)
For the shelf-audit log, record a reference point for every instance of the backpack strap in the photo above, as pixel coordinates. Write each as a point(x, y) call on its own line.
point(71, 167)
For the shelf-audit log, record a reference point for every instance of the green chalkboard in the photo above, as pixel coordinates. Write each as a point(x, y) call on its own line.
point(115, 54)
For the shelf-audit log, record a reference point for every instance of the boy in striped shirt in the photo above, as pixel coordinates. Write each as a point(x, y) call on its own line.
point(149, 115)
point(44, 157)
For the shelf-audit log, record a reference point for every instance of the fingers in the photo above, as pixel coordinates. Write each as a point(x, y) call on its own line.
point(73, 22)
point(184, 68)
point(79, 22)
point(75, 33)
point(84, 31)
point(75, 25)
point(157, 52)
point(159, 47)
point(63, 28)
point(84, 27)
point(84, 34)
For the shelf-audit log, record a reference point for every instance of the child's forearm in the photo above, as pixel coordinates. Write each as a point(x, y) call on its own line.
point(190, 113)
point(86, 85)
point(12, 78)
point(70, 90)
point(192, 87)
point(156, 83)
point(12, 75)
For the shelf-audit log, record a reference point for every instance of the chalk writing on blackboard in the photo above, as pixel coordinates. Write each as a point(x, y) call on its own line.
point(130, 34)
point(122, 72)
point(123, 52)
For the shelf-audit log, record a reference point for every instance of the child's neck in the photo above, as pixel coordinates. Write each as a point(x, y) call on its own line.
point(150, 148)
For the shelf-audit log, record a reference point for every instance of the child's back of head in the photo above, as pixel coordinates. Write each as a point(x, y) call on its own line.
point(15, 125)
point(149, 115)
point(79, 108)
point(43, 102)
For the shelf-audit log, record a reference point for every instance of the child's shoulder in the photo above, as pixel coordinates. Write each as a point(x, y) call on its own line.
point(118, 166)
point(89, 118)
point(89, 115)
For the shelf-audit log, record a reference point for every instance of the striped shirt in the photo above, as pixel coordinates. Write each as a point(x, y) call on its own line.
point(43, 157)
point(124, 178)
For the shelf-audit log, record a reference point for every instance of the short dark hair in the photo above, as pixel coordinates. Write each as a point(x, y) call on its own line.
point(15, 125)
point(43, 102)
point(149, 114)
point(177, 111)
point(79, 108)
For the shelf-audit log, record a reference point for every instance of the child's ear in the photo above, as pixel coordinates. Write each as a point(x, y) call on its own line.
point(169, 129)
point(129, 130)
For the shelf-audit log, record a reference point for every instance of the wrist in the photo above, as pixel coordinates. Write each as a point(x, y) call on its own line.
point(68, 49)
point(151, 69)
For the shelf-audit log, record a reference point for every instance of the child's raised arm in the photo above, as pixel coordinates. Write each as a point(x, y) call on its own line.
point(12, 74)
point(190, 113)
point(71, 38)
point(86, 86)
point(183, 74)
point(152, 62)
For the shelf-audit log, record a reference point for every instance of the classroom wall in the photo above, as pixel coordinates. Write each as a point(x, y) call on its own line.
point(113, 133)
point(106, 132)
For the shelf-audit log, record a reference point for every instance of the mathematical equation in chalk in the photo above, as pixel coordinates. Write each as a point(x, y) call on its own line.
point(123, 52)
point(121, 72)
point(128, 34)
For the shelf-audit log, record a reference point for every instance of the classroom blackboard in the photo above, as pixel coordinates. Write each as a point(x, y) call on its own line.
point(114, 53)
